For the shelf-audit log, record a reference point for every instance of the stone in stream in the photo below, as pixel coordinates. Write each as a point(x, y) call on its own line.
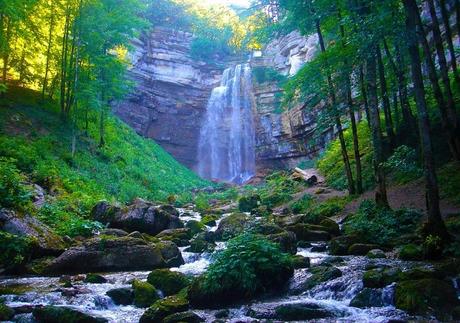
point(301, 312)
point(339, 246)
point(195, 227)
point(58, 314)
point(410, 252)
point(361, 249)
point(286, 240)
point(115, 254)
point(320, 274)
point(375, 254)
point(231, 226)
point(181, 237)
point(121, 296)
point(95, 279)
point(183, 317)
point(169, 282)
point(307, 232)
point(6, 313)
point(144, 293)
point(300, 262)
point(380, 277)
point(369, 297)
point(164, 308)
point(202, 242)
point(141, 216)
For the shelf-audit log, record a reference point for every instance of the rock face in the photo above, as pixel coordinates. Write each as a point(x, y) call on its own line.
point(172, 90)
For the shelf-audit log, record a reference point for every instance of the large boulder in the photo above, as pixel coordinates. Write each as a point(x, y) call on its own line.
point(164, 308)
point(231, 226)
point(301, 312)
point(122, 295)
point(307, 232)
point(58, 314)
point(369, 297)
point(48, 242)
point(169, 282)
point(105, 255)
point(286, 240)
point(339, 246)
point(145, 293)
point(183, 317)
point(320, 274)
point(140, 216)
point(170, 253)
point(380, 277)
point(361, 249)
point(180, 237)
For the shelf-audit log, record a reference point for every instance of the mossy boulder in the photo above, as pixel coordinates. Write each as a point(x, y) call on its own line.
point(181, 237)
point(301, 312)
point(210, 220)
point(183, 317)
point(170, 253)
point(95, 279)
point(331, 226)
point(164, 308)
point(380, 277)
point(144, 293)
point(300, 262)
point(361, 249)
point(425, 297)
point(368, 297)
point(248, 203)
point(308, 232)
point(320, 274)
point(194, 227)
point(6, 313)
point(58, 314)
point(231, 226)
point(121, 296)
point(375, 254)
point(169, 282)
point(339, 246)
point(268, 228)
point(421, 273)
point(410, 252)
point(286, 240)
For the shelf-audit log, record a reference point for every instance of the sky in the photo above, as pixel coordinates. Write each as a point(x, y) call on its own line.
point(229, 2)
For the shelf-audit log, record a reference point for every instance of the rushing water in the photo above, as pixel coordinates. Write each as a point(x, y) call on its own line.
point(226, 148)
point(333, 296)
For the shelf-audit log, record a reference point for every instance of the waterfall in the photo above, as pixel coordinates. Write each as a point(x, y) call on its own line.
point(226, 149)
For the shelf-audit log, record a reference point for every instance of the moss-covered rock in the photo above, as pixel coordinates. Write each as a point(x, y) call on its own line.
point(170, 253)
point(95, 279)
point(231, 226)
point(210, 220)
point(6, 313)
point(300, 262)
point(376, 254)
point(181, 237)
point(339, 246)
point(144, 293)
point(184, 317)
point(248, 203)
point(164, 308)
point(380, 277)
point(121, 296)
point(331, 226)
point(426, 296)
point(201, 243)
point(301, 312)
point(320, 274)
point(169, 282)
point(410, 252)
point(361, 249)
point(368, 297)
point(194, 227)
point(58, 314)
point(421, 273)
point(286, 240)
point(308, 232)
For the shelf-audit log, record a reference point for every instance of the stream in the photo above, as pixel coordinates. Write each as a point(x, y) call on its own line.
point(334, 295)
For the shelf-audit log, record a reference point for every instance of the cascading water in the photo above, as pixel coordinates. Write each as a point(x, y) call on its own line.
point(226, 148)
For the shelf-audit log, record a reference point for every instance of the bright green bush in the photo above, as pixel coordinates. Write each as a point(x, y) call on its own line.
point(278, 189)
point(303, 205)
point(14, 193)
point(267, 74)
point(374, 224)
point(15, 250)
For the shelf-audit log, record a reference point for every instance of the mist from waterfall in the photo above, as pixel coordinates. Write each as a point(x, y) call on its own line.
point(226, 150)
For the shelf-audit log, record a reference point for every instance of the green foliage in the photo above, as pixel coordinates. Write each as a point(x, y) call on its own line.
point(331, 164)
point(303, 205)
point(278, 189)
point(249, 265)
point(330, 207)
point(449, 181)
point(15, 250)
point(374, 224)
point(403, 165)
point(13, 190)
point(144, 293)
point(263, 75)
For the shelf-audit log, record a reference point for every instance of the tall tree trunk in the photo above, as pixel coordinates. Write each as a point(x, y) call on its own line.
point(6, 54)
point(385, 99)
point(377, 140)
point(433, 76)
point(457, 14)
point(435, 223)
point(448, 31)
point(64, 54)
point(364, 94)
point(396, 110)
point(48, 50)
point(338, 123)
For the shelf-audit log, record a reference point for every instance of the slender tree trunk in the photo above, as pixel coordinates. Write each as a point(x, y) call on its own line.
point(457, 14)
point(444, 108)
point(377, 140)
point(364, 94)
point(48, 50)
point(6, 54)
point(385, 99)
point(396, 110)
point(435, 223)
point(338, 123)
point(448, 31)
point(64, 67)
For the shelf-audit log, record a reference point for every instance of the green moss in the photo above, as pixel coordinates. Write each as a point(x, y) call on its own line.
point(163, 308)
point(57, 314)
point(410, 252)
point(321, 274)
point(15, 250)
point(95, 279)
point(380, 277)
point(195, 227)
point(169, 282)
point(248, 203)
point(144, 293)
point(209, 219)
point(6, 313)
point(449, 181)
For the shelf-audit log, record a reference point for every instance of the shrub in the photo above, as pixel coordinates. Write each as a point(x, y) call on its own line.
point(267, 74)
point(301, 206)
point(14, 192)
point(250, 265)
point(403, 165)
point(374, 224)
point(278, 189)
point(15, 250)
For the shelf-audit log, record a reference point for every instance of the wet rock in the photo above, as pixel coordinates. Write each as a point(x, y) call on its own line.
point(6, 313)
point(170, 253)
point(113, 232)
point(231, 226)
point(141, 216)
point(410, 252)
point(301, 312)
point(38, 266)
point(426, 296)
point(195, 227)
point(301, 262)
point(361, 249)
point(209, 220)
point(201, 243)
point(169, 282)
point(319, 248)
point(248, 203)
point(144, 293)
point(58, 314)
point(286, 240)
point(48, 242)
point(332, 226)
point(136, 234)
point(421, 273)
point(339, 246)
point(305, 232)
point(380, 277)
point(320, 274)
point(303, 244)
point(181, 237)
point(289, 220)
point(222, 314)
point(121, 296)
point(184, 317)
point(95, 279)
point(375, 254)
point(368, 297)
point(164, 308)
point(268, 229)
point(117, 254)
